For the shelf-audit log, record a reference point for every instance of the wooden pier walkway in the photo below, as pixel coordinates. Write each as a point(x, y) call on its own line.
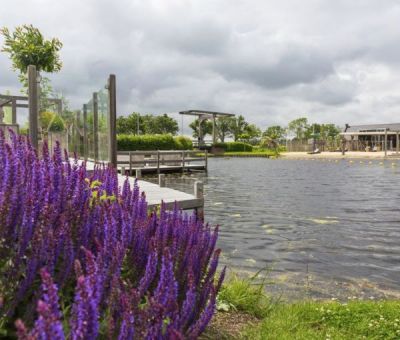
point(161, 161)
point(155, 194)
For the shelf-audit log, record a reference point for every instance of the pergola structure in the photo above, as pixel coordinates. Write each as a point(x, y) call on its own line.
point(203, 115)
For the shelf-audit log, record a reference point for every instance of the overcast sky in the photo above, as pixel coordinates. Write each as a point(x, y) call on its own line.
point(272, 61)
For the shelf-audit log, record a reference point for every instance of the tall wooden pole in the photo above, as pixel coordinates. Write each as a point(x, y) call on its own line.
point(85, 135)
point(33, 105)
point(14, 111)
point(112, 120)
point(95, 127)
point(386, 135)
point(397, 142)
point(214, 131)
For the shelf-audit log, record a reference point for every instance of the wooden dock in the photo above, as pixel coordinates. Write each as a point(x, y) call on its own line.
point(157, 193)
point(161, 161)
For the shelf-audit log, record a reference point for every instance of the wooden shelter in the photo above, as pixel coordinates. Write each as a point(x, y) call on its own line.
point(203, 115)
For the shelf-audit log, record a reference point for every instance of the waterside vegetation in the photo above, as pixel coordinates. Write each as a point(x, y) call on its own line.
point(245, 311)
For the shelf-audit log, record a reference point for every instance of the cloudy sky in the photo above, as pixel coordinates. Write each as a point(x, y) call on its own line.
point(272, 61)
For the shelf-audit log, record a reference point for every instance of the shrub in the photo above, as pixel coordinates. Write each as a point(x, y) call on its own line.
point(221, 145)
point(183, 143)
point(153, 142)
point(90, 259)
point(238, 146)
point(234, 146)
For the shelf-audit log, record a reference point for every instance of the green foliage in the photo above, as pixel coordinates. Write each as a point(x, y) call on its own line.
point(51, 122)
point(275, 132)
point(183, 143)
point(245, 295)
point(330, 320)
point(205, 126)
point(238, 126)
point(147, 124)
point(298, 127)
point(322, 131)
point(27, 46)
point(238, 146)
point(152, 142)
point(223, 125)
point(234, 146)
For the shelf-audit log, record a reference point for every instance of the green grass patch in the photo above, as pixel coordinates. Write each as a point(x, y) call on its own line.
point(330, 320)
point(244, 295)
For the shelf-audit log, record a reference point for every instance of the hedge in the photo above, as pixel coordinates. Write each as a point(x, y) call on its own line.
point(235, 146)
point(153, 142)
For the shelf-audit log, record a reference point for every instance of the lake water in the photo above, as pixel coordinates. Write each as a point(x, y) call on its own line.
point(325, 228)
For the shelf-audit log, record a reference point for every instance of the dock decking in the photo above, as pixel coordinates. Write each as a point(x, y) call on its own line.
point(161, 161)
point(155, 194)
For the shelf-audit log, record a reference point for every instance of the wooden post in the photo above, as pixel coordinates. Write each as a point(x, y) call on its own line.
point(214, 131)
point(161, 180)
point(112, 120)
point(206, 160)
point(33, 105)
point(138, 173)
point(158, 161)
point(199, 194)
point(386, 135)
point(85, 134)
point(397, 142)
point(183, 161)
point(14, 111)
point(123, 172)
point(343, 146)
point(95, 127)
point(77, 134)
point(130, 163)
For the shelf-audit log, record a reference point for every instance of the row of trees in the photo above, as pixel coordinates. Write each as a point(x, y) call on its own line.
point(300, 130)
point(137, 124)
point(236, 128)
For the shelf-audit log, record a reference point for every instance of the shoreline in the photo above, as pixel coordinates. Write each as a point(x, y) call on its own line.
point(338, 155)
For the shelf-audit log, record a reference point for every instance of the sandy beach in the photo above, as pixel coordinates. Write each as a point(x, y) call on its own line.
point(338, 155)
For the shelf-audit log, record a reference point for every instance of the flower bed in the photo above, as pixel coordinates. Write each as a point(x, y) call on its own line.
point(81, 258)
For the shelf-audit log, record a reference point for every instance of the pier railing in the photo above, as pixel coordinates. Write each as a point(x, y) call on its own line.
point(160, 160)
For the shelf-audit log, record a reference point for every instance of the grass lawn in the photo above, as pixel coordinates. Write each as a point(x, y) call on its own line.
point(246, 312)
point(330, 320)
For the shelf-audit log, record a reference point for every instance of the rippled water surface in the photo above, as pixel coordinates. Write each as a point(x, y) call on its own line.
point(325, 226)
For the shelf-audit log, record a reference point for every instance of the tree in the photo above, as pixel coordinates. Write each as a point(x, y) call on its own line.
point(51, 122)
point(27, 46)
point(275, 132)
point(130, 124)
point(223, 127)
point(162, 124)
point(298, 127)
point(205, 125)
point(251, 132)
point(238, 127)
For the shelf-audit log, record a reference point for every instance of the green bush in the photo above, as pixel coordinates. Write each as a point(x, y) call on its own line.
point(152, 142)
point(234, 146)
point(238, 146)
point(183, 143)
point(221, 145)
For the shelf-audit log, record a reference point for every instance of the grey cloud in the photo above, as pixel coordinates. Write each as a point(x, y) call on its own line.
point(270, 61)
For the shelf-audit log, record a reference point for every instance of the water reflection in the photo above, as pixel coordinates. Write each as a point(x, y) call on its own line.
point(316, 223)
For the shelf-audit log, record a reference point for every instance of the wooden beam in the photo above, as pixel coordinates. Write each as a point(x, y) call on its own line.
point(112, 120)
point(95, 127)
point(85, 134)
point(33, 105)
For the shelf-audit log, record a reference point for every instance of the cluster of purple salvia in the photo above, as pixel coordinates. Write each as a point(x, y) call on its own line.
point(72, 238)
